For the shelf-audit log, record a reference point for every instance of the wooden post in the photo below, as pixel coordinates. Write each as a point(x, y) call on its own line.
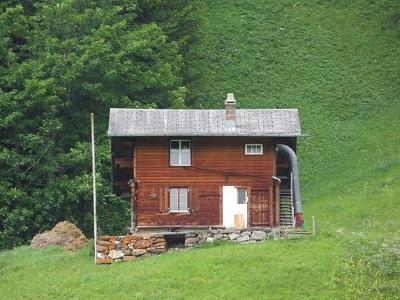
point(94, 187)
point(313, 225)
point(271, 206)
point(132, 187)
point(277, 203)
point(133, 191)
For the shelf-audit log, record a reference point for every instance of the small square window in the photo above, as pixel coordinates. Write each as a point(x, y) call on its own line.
point(254, 149)
point(241, 196)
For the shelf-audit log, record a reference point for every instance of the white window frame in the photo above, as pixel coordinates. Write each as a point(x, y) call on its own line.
point(179, 190)
point(253, 153)
point(180, 150)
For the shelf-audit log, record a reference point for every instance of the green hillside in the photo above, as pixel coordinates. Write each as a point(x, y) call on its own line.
point(339, 63)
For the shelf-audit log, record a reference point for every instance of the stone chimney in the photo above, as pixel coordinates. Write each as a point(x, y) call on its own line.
point(230, 108)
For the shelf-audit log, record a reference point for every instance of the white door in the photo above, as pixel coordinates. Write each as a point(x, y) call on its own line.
point(234, 203)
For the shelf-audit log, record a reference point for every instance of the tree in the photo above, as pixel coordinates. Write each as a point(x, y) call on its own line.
point(59, 61)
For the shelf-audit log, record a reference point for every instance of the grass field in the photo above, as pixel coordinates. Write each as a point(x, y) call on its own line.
point(339, 63)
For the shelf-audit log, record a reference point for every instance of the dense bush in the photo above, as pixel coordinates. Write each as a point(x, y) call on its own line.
point(59, 61)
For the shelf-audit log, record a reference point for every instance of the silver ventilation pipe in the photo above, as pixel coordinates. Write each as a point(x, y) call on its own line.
point(296, 182)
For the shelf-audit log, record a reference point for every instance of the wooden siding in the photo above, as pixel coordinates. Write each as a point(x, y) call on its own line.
point(216, 161)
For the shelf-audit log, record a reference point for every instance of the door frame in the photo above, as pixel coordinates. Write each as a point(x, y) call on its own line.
point(268, 201)
point(237, 207)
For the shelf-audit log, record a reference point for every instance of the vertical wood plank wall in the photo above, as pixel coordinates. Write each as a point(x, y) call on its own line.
point(214, 153)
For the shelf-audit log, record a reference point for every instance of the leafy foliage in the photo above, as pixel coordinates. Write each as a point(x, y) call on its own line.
point(59, 61)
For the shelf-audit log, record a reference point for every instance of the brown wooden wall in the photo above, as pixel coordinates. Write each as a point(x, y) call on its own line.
point(216, 161)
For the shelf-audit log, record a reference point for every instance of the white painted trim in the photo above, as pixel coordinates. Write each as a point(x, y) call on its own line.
point(230, 206)
point(180, 153)
point(248, 153)
point(187, 196)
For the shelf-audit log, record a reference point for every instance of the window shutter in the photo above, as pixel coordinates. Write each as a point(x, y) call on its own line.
point(190, 200)
point(196, 199)
point(161, 200)
point(166, 200)
point(248, 205)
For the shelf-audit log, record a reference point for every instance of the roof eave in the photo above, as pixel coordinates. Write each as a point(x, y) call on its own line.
point(110, 134)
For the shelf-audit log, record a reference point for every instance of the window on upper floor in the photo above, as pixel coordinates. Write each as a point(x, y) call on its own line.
point(254, 149)
point(180, 153)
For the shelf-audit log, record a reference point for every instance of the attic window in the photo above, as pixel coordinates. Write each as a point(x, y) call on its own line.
point(254, 149)
point(179, 153)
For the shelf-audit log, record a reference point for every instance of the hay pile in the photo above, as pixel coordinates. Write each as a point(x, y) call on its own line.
point(64, 234)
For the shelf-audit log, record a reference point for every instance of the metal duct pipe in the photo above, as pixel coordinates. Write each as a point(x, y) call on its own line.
point(296, 182)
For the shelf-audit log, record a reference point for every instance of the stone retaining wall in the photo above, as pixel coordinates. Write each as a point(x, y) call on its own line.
point(130, 247)
point(238, 236)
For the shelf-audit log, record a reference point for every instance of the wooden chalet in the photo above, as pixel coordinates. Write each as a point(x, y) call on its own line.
point(200, 168)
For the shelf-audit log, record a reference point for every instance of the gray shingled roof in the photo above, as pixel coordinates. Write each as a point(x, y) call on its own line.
point(202, 122)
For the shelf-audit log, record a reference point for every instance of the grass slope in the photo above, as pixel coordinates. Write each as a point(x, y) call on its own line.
point(222, 272)
point(338, 62)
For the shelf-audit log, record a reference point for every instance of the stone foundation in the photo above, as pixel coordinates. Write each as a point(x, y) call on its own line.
point(130, 247)
point(230, 235)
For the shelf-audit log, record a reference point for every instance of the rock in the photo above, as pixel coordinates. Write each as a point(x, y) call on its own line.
point(258, 235)
point(104, 260)
point(191, 241)
point(156, 235)
point(143, 244)
point(227, 231)
point(127, 252)
point(190, 235)
point(243, 239)
point(215, 231)
point(100, 255)
point(129, 258)
point(204, 235)
point(275, 234)
point(160, 240)
point(64, 234)
point(218, 236)
point(103, 243)
point(210, 240)
point(234, 236)
point(114, 254)
point(131, 238)
point(248, 233)
point(157, 251)
point(101, 248)
point(138, 252)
